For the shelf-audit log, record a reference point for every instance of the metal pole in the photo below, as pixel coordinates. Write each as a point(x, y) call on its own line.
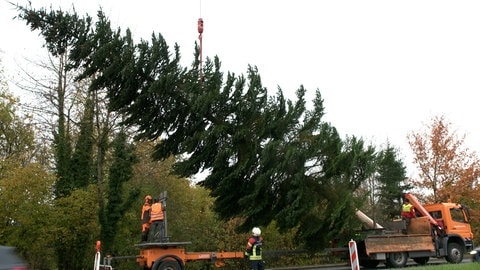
point(163, 199)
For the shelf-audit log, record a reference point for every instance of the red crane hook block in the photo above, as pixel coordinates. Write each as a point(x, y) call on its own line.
point(200, 25)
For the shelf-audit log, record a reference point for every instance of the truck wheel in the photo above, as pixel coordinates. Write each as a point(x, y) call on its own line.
point(421, 260)
point(167, 265)
point(455, 253)
point(397, 259)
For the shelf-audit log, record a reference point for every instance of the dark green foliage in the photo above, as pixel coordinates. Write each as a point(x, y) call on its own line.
point(391, 177)
point(120, 172)
point(63, 151)
point(59, 29)
point(82, 158)
point(74, 173)
point(75, 168)
point(269, 158)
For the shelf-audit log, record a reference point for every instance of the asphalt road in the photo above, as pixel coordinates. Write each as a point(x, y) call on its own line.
point(410, 262)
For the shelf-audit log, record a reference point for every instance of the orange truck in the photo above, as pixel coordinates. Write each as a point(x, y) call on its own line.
point(440, 230)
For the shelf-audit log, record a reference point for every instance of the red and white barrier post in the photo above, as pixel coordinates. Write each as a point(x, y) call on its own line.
point(96, 263)
point(353, 255)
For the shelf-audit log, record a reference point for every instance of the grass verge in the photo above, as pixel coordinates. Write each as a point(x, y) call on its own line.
point(462, 266)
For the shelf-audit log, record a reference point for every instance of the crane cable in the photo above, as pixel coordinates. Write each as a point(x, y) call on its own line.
point(200, 32)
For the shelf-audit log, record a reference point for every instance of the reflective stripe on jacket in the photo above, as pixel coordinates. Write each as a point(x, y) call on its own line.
point(254, 248)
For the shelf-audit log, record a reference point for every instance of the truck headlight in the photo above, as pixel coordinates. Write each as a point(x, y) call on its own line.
point(473, 252)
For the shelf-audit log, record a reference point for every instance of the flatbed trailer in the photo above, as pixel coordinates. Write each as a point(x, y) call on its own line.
point(167, 256)
point(173, 256)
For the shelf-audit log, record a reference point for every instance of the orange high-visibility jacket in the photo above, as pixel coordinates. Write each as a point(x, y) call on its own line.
point(156, 212)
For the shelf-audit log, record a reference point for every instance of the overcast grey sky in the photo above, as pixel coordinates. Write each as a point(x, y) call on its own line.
point(384, 68)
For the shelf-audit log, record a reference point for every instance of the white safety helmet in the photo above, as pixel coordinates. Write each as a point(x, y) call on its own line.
point(256, 231)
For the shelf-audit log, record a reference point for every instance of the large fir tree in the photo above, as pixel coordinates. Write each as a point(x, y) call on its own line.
point(269, 158)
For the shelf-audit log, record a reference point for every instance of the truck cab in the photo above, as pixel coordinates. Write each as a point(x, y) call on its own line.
point(453, 219)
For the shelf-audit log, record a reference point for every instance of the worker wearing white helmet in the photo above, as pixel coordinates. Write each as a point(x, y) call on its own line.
point(254, 250)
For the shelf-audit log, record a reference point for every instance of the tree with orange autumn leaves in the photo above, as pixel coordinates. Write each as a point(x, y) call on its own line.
point(447, 169)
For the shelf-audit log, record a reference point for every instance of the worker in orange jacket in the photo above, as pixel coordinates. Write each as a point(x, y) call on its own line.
point(145, 217)
point(157, 222)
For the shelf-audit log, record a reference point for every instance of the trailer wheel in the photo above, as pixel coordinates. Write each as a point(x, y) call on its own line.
point(455, 253)
point(421, 260)
point(167, 265)
point(397, 259)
